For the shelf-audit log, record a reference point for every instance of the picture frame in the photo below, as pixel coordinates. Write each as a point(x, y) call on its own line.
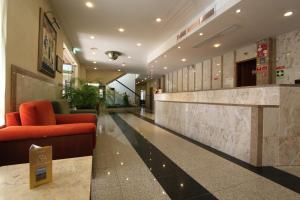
point(59, 64)
point(47, 46)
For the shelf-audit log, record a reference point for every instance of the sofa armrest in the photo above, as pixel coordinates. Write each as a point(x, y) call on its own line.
point(76, 118)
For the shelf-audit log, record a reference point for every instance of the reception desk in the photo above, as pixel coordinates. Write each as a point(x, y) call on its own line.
point(259, 125)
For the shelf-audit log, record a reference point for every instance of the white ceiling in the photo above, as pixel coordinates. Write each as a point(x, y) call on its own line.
point(258, 19)
point(137, 17)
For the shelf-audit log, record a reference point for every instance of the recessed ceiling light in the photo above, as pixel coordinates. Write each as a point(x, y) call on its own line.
point(95, 68)
point(165, 68)
point(123, 64)
point(217, 45)
point(218, 64)
point(238, 11)
point(129, 57)
point(119, 70)
point(288, 13)
point(179, 47)
point(138, 44)
point(158, 20)
point(183, 59)
point(89, 4)
point(92, 37)
point(95, 62)
point(93, 52)
point(121, 30)
point(201, 34)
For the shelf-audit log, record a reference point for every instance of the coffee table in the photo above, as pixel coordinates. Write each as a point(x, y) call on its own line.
point(71, 180)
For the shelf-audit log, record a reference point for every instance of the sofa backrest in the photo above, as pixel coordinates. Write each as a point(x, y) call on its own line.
point(37, 113)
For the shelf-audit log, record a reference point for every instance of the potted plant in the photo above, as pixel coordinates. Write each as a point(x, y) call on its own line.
point(81, 95)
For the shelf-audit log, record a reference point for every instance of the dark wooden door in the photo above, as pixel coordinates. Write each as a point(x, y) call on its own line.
point(246, 73)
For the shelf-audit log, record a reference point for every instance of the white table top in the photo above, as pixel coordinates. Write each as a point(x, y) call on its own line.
point(71, 180)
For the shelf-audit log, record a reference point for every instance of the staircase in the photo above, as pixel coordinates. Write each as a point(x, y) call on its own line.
point(118, 88)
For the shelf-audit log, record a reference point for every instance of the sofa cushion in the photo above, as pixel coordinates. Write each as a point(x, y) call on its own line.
point(13, 119)
point(29, 132)
point(37, 113)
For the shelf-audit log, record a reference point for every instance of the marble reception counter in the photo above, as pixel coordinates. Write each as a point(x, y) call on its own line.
point(259, 125)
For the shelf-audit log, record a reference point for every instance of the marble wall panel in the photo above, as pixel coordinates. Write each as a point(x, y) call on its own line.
point(175, 78)
point(229, 70)
point(207, 75)
point(232, 133)
point(28, 89)
point(268, 95)
point(217, 72)
point(170, 82)
point(288, 51)
point(167, 83)
point(191, 84)
point(180, 83)
point(185, 78)
point(289, 126)
point(270, 136)
point(198, 76)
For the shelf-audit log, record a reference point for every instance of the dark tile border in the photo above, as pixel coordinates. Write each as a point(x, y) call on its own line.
point(280, 177)
point(175, 181)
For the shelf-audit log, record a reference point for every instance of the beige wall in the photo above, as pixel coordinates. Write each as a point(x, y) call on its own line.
point(22, 39)
point(229, 70)
point(207, 74)
point(215, 73)
point(104, 76)
point(220, 72)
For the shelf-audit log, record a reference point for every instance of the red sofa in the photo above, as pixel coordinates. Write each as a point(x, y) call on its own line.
point(70, 135)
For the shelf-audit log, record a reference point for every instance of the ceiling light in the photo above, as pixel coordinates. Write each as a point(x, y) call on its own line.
point(183, 59)
point(179, 47)
point(217, 45)
point(138, 44)
point(288, 14)
point(95, 62)
point(158, 20)
point(119, 70)
point(89, 4)
point(121, 30)
point(92, 37)
point(114, 55)
point(201, 34)
point(93, 52)
point(165, 68)
point(129, 57)
point(238, 11)
point(123, 64)
point(95, 68)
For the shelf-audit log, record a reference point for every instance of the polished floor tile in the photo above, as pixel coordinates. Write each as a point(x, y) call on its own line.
point(224, 179)
point(176, 183)
point(118, 171)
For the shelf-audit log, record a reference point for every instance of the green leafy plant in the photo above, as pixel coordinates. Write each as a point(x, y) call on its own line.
point(81, 95)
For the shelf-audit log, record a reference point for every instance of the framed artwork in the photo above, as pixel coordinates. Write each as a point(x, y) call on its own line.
point(47, 46)
point(59, 64)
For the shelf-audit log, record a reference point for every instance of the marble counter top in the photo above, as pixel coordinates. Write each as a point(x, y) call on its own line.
point(71, 180)
point(265, 95)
